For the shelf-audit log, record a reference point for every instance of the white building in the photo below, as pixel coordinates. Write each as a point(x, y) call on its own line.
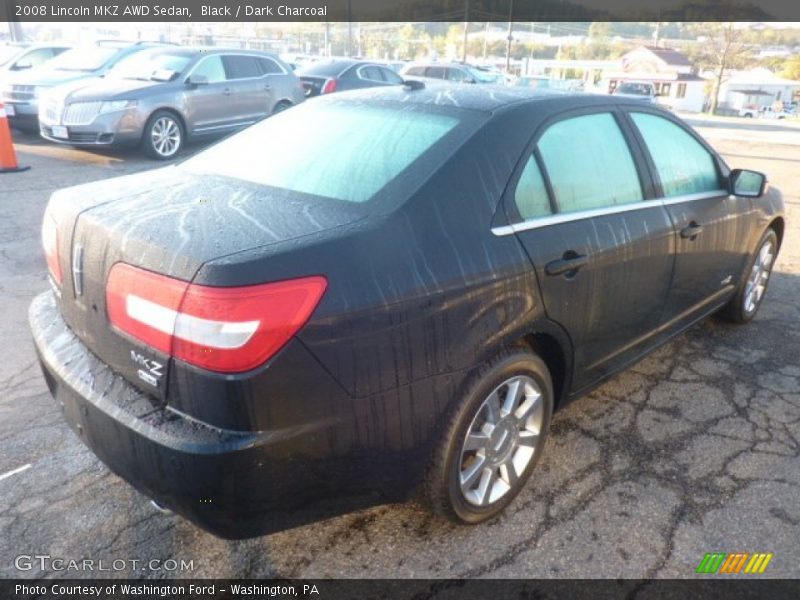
point(674, 76)
point(756, 88)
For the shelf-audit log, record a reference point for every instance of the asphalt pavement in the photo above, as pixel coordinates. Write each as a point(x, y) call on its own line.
point(694, 449)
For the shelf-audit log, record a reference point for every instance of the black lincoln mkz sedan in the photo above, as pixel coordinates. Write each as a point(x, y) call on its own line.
point(276, 330)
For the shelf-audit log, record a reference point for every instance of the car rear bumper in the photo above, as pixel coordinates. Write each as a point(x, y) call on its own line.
point(233, 484)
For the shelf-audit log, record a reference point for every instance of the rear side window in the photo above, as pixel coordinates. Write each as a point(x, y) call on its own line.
point(358, 149)
point(370, 73)
point(418, 71)
point(436, 72)
point(531, 193)
point(269, 66)
point(242, 67)
point(589, 164)
point(684, 166)
point(390, 76)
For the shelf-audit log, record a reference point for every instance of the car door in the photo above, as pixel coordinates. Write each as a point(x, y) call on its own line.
point(600, 245)
point(251, 92)
point(208, 106)
point(711, 225)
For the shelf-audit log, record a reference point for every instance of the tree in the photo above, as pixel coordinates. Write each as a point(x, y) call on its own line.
point(722, 50)
point(791, 68)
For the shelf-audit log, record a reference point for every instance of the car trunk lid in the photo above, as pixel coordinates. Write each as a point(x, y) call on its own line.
point(170, 222)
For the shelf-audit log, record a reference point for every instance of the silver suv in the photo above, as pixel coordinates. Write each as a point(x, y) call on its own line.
point(161, 98)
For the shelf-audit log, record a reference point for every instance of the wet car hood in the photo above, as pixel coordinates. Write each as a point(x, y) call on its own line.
point(172, 221)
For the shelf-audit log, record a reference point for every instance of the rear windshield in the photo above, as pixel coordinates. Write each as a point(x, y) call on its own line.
point(342, 150)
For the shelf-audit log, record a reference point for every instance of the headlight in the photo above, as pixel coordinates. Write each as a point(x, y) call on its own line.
point(107, 107)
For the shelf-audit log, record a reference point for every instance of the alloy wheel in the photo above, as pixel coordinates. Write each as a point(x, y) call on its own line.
point(501, 440)
point(759, 276)
point(165, 136)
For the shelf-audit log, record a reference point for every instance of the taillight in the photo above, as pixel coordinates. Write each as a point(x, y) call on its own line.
point(50, 243)
point(225, 329)
point(330, 86)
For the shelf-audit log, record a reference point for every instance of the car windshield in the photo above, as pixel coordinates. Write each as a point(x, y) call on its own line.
point(83, 59)
point(482, 76)
point(639, 89)
point(151, 67)
point(341, 150)
point(7, 53)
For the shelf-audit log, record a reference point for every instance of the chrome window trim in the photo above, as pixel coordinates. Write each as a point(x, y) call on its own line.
point(555, 219)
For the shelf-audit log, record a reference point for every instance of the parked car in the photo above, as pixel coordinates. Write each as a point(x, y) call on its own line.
point(337, 75)
point(24, 57)
point(637, 90)
point(454, 72)
point(20, 93)
point(274, 330)
point(161, 98)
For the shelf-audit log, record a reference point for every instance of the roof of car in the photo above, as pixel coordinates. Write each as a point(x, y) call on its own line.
point(483, 98)
point(194, 50)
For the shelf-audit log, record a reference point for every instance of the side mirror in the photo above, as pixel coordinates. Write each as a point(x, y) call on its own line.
point(748, 184)
point(23, 66)
point(196, 80)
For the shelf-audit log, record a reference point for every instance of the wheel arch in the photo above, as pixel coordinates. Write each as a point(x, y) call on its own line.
point(778, 225)
point(558, 359)
point(173, 111)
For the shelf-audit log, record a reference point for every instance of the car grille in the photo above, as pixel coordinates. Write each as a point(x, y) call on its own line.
point(81, 113)
point(18, 93)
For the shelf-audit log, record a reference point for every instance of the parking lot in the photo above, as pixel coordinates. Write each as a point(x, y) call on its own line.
point(695, 449)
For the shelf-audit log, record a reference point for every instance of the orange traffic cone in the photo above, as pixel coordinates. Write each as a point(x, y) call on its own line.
point(8, 156)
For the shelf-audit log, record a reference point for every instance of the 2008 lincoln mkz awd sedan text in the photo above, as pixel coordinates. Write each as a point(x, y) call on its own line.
point(384, 292)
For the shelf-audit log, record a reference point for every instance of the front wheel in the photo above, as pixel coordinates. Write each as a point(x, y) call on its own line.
point(163, 135)
point(493, 440)
point(744, 305)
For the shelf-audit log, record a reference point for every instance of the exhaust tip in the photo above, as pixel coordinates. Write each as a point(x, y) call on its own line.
point(159, 508)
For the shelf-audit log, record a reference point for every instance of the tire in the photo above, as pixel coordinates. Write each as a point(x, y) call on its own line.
point(164, 135)
point(456, 485)
point(753, 287)
point(281, 106)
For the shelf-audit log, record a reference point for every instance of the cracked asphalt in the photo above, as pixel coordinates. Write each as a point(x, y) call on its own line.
point(694, 449)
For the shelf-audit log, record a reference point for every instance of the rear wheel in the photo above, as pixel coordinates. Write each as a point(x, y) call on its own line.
point(163, 135)
point(744, 305)
point(281, 106)
point(493, 440)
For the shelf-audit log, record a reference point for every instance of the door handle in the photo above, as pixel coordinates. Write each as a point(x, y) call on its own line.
point(568, 264)
point(267, 87)
point(691, 231)
point(227, 91)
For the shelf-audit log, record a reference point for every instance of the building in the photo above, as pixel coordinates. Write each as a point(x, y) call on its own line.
point(755, 89)
point(674, 76)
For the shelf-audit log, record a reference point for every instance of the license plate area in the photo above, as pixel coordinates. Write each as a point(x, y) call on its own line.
point(60, 132)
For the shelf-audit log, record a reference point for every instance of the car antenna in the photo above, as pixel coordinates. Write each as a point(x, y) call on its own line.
point(413, 84)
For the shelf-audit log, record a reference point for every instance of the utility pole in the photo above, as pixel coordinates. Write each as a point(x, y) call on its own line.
point(327, 51)
point(349, 28)
point(466, 26)
point(485, 40)
point(510, 36)
point(657, 34)
point(15, 31)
